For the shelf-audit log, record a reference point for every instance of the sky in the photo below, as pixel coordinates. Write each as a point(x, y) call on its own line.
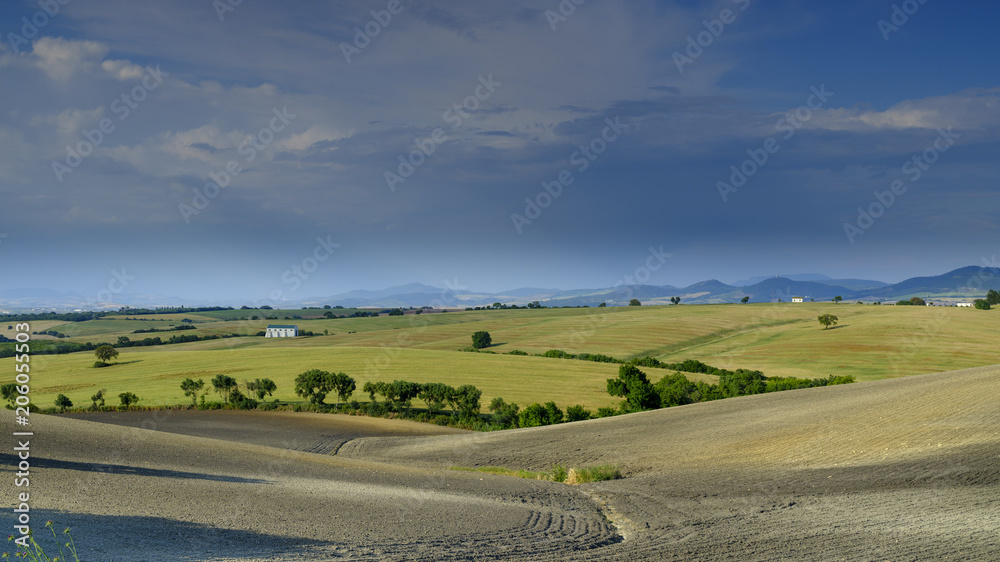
point(226, 149)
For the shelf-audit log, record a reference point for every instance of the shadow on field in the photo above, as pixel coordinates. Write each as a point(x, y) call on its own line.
point(840, 326)
point(117, 537)
point(41, 462)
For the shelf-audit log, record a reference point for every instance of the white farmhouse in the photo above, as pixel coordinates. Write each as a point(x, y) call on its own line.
point(281, 331)
point(798, 299)
point(964, 304)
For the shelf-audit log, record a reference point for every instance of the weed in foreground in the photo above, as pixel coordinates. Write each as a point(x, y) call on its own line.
point(36, 553)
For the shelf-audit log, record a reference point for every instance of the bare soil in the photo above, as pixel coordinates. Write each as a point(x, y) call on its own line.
point(901, 469)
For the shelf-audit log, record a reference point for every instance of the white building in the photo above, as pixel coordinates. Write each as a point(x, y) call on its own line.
point(965, 304)
point(281, 331)
point(798, 299)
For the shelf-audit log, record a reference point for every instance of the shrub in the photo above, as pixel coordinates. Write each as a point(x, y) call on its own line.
point(558, 354)
point(981, 304)
point(63, 402)
point(517, 352)
point(504, 414)
point(577, 413)
point(537, 415)
point(647, 362)
point(127, 399)
point(593, 474)
point(635, 388)
point(481, 339)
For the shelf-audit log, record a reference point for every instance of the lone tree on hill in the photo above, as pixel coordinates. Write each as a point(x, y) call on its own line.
point(837, 299)
point(745, 300)
point(105, 353)
point(827, 320)
point(481, 340)
point(917, 301)
point(634, 302)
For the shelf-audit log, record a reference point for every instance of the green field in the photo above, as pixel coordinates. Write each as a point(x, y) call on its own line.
point(870, 342)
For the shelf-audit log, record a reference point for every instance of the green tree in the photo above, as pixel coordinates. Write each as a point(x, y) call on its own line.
point(9, 393)
point(436, 395)
point(192, 387)
point(127, 399)
point(917, 301)
point(344, 387)
point(635, 388)
point(602, 305)
point(225, 385)
point(742, 382)
point(837, 299)
point(981, 304)
point(98, 399)
point(481, 340)
point(993, 297)
point(745, 300)
point(314, 384)
point(675, 390)
point(634, 302)
point(63, 402)
point(105, 353)
point(536, 415)
point(577, 413)
point(465, 401)
point(827, 320)
point(504, 414)
point(261, 387)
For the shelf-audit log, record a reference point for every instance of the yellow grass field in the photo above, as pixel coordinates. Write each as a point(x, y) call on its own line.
point(869, 342)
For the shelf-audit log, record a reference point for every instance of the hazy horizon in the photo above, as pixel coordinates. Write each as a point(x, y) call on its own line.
point(205, 151)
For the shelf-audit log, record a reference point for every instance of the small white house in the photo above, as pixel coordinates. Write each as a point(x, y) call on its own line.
point(281, 331)
point(798, 299)
point(964, 304)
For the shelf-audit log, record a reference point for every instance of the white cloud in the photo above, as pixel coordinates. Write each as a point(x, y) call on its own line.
point(122, 69)
point(70, 122)
point(968, 109)
point(61, 59)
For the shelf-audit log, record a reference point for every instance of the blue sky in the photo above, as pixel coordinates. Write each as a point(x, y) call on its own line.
point(643, 109)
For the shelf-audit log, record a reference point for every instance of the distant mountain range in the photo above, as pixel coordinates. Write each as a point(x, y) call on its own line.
point(959, 285)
